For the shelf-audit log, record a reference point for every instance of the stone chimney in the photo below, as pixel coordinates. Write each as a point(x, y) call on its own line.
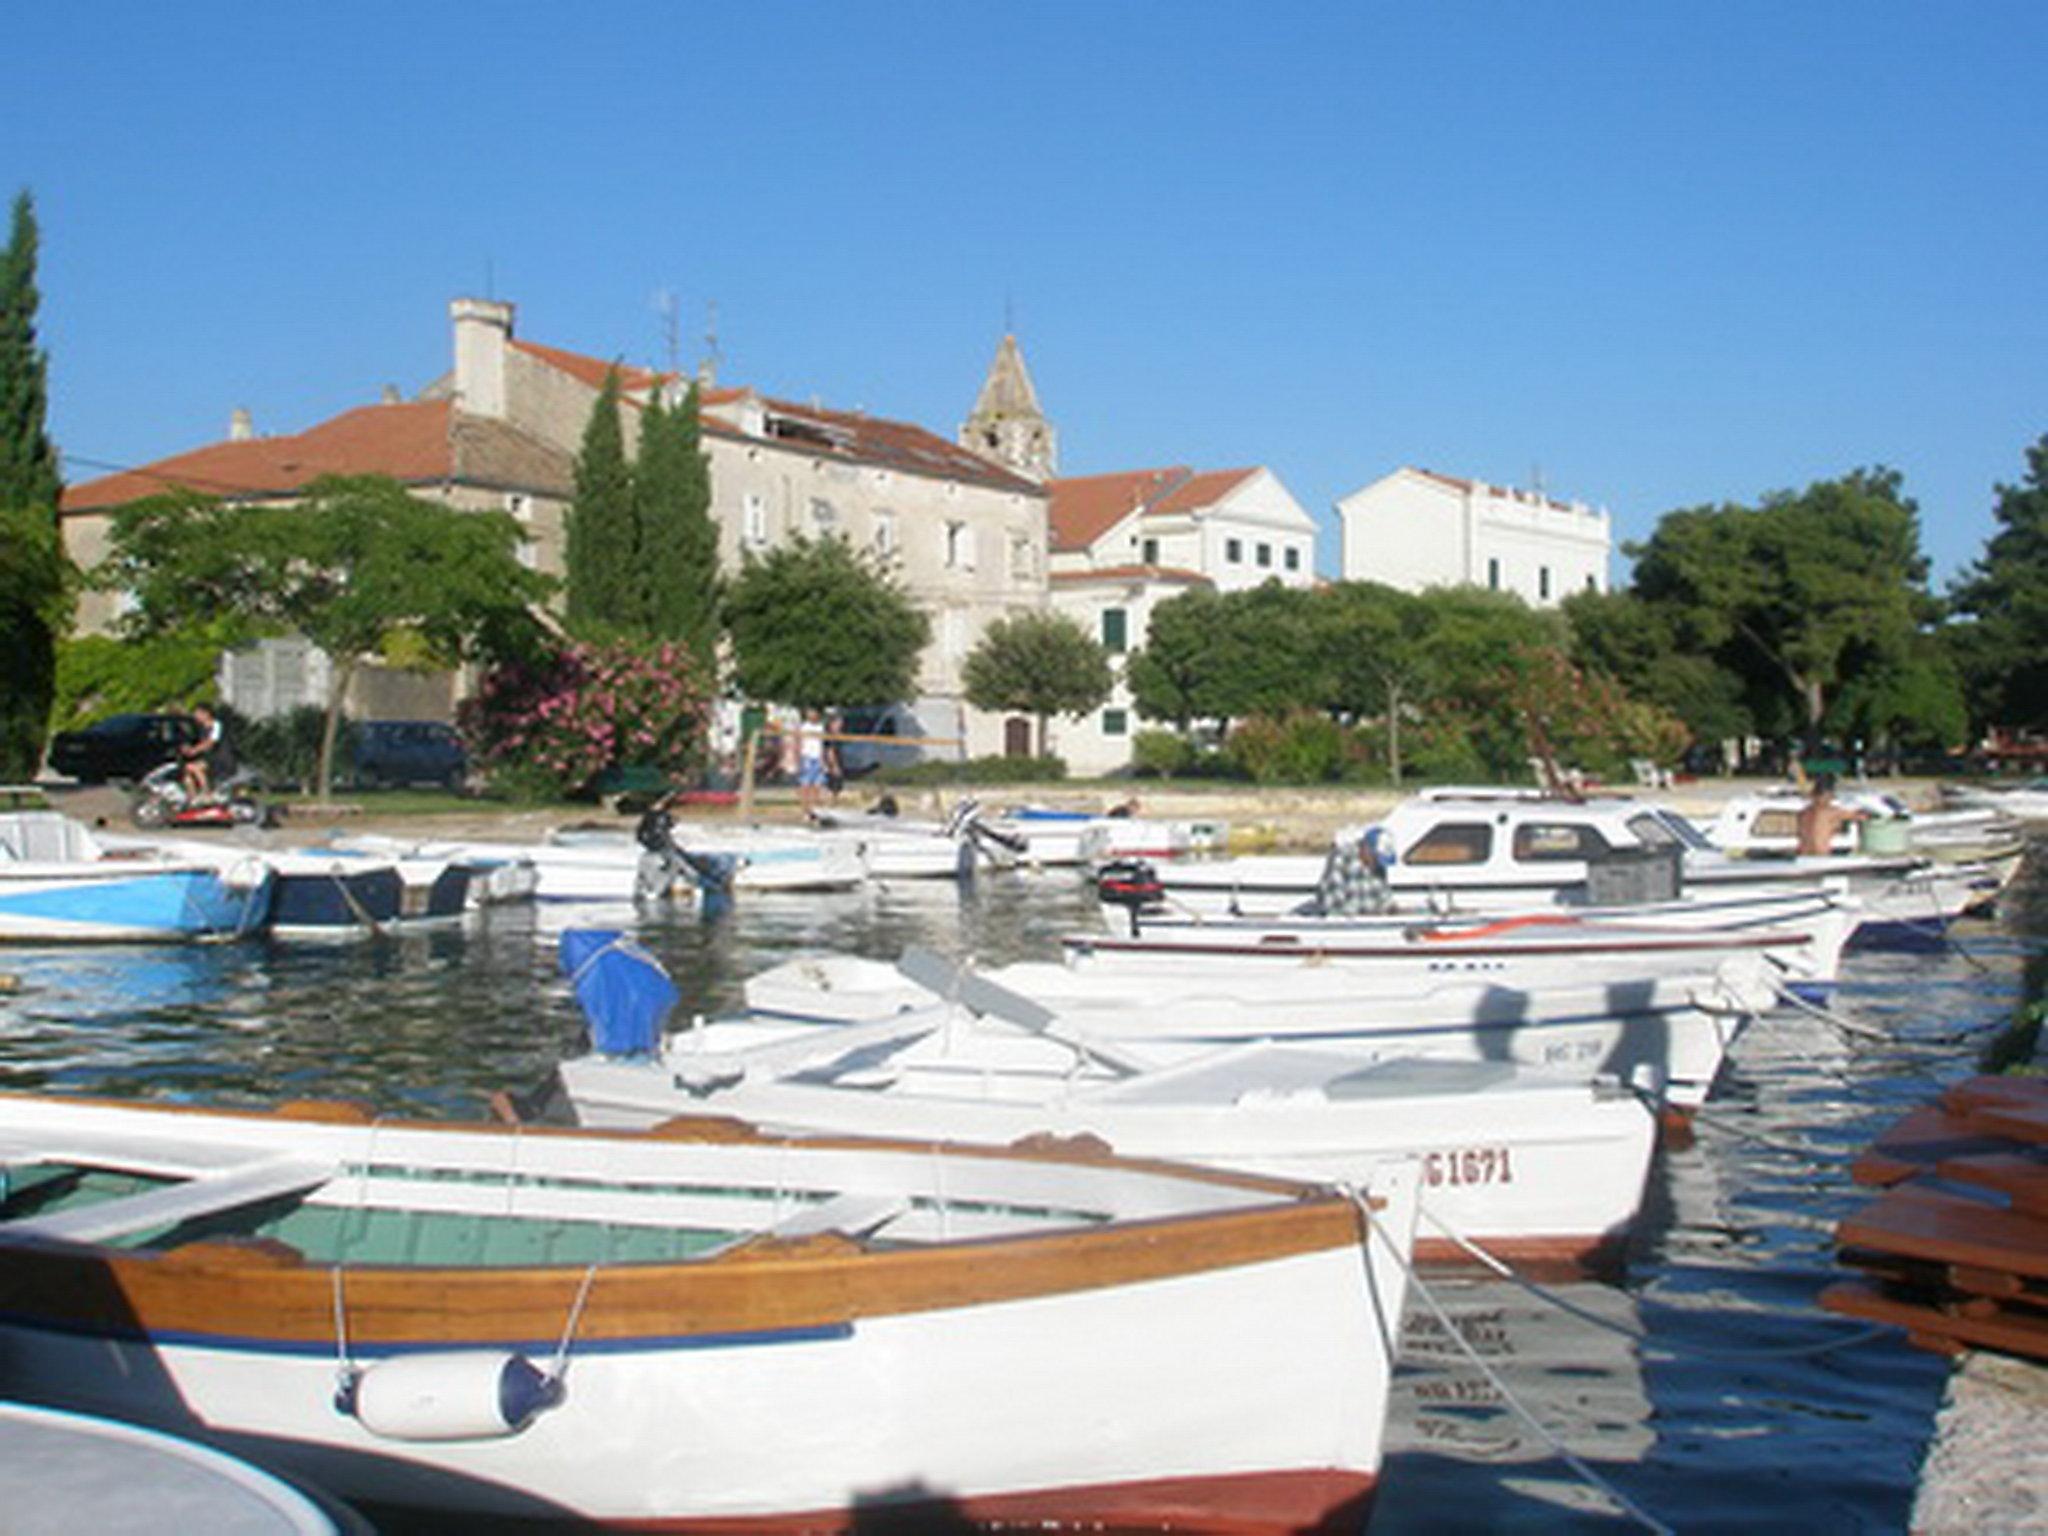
point(389, 395)
point(482, 327)
point(241, 425)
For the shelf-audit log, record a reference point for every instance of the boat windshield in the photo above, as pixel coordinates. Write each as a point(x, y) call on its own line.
point(1666, 829)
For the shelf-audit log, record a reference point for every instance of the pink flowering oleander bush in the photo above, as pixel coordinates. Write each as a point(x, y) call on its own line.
point(552, 728)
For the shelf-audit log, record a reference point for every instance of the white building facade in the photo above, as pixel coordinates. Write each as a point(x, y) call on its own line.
point(1124, 543)
point(1415, 529)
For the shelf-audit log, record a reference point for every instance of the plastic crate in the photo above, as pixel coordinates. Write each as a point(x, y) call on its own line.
point(1629, 877)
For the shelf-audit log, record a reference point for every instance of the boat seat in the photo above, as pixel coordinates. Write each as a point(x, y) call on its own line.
point(45, 837)
point(207, 1195)
point(856, 1215)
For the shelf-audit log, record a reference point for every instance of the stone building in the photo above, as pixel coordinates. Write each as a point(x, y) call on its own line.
point(1415, 528)
point(963, 533)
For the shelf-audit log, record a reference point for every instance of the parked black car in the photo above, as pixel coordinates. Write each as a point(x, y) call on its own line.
point(390, 752)
point(119, 747)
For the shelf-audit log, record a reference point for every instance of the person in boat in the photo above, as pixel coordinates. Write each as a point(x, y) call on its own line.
point(1354, 879)
point(661, 862)
point(1821, 818)
point(208, 760)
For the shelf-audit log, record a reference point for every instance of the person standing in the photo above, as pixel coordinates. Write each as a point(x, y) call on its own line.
point(810, 761)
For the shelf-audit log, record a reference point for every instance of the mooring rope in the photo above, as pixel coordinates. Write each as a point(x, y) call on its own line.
point(1593, 1479)
point(1637, 1335)
point(558, 1367)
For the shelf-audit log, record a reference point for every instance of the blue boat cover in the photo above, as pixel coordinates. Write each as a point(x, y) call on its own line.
point(623, 990)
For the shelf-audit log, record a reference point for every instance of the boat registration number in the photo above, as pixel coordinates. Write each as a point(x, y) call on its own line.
point(1468, 1165)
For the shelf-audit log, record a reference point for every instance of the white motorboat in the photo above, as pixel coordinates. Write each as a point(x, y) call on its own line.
point(1052, 836)
point(1668, 1032)
point(2025, 801)
point(709, 1329)
point(544, 871)
point(746, 858)
point(1510, 850)
point(1767, 822)
point(60, 884)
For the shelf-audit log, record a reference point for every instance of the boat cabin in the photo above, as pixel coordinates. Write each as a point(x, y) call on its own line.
point(1616, 850)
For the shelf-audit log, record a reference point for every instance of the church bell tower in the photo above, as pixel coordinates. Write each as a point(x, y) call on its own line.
point(1006, 424)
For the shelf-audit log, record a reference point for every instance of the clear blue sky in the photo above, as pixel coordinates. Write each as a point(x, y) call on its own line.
point(1658, 254)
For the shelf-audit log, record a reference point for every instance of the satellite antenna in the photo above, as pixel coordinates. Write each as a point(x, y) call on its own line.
point(671, 329)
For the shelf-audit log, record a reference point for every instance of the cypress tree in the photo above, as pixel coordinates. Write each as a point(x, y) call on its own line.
point(678, 540)
point(601, 554)
point(33, 599)
point(28, 464)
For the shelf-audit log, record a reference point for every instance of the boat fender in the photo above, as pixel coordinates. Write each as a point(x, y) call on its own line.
point(462, 1394)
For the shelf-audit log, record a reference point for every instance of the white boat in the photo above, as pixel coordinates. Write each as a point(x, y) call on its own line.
point(2025, 801)
point(1542, 1170)
point(1767, 822)
point(541, 871)
point(1816, 921)
point(707, 1329)
point(1465, 849)
point(1052, 836)
point(59, 884)
point(1665, 1033)
point(747, 858)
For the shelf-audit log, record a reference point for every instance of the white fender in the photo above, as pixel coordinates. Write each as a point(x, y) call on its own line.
point(468, 1394)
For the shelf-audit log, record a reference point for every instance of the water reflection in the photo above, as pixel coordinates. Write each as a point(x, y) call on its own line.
point(1726, 1417)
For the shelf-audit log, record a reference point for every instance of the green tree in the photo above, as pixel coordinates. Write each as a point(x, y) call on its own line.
point(1371, 656)
point(35, 581)
point(677, 540)
point(607, 593)
point(1794, 594)
point(815, 625)
point(28, 461)
point(35, 610)
point(363, 569)
point(2003, 642)
point(1222, 656)
point(1620, 635)
point(1041, 664)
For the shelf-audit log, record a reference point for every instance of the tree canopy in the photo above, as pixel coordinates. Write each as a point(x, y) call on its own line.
point(361, 567)
point(34, 575)
point(1041, 664)
point(816, 625)
point(601, 555)
point(1223, 655)
point(1794, 594)
point(2003, 642)
point(676, 539)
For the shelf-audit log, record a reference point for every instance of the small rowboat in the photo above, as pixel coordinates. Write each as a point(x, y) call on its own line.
point(58, 884)
point(709, 1328)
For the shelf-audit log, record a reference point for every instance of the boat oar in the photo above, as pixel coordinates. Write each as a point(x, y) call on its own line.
point(817, 1044)
point(976, 993)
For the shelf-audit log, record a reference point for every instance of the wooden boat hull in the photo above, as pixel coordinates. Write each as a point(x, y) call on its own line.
point(1218, 1371)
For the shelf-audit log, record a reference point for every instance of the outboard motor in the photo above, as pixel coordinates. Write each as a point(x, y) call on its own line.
point(1132, 884)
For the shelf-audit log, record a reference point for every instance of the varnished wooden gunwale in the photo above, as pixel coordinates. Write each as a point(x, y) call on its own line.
point(251, 1292)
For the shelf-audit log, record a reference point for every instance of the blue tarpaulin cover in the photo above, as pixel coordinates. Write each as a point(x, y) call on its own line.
point(623, 990)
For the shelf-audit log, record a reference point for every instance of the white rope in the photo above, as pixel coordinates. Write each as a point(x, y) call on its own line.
point(1827, 1016)
point(1639, 1336)
point(1593, 1479)
point(559, 1366)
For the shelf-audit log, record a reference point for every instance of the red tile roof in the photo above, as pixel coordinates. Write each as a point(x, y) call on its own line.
point(847, 435)
point(1085, 507)
point(590, 370)
point(407, 441)
point(417, 442)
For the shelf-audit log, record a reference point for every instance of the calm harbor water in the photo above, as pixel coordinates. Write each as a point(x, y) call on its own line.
point(1708, 1387)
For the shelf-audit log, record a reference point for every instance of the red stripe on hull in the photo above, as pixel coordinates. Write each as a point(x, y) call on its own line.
point(1324, 1503)
point(1534, 1258)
